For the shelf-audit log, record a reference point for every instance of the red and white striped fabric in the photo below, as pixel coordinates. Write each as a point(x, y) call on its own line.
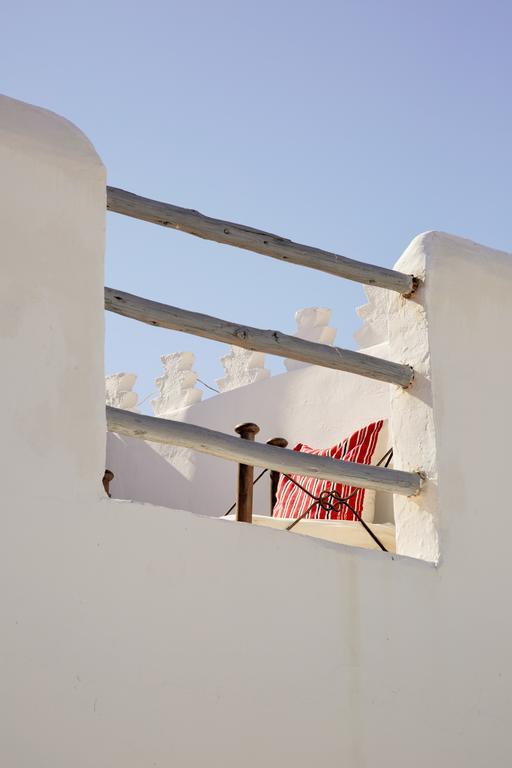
point(292, 501)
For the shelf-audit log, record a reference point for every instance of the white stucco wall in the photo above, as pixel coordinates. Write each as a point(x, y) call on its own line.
point(135, 635)
point(49, 186)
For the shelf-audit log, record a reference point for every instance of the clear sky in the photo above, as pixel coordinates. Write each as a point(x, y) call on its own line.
point(351, 125)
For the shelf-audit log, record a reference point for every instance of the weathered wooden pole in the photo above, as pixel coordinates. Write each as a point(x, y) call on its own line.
point(247, 431)
point(259, 340)
point(242, 236)
point(171, 432)
point(280, 442)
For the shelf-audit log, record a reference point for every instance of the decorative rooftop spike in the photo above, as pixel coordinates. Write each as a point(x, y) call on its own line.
point(241, 367)
point(177, 385)
point(374, 315)
point(312, 325)
point(118, 391)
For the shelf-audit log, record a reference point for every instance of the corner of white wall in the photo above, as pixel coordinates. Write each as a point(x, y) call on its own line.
point(52, 220)
point(411, 414)
point(468, 290)
point(452, 423)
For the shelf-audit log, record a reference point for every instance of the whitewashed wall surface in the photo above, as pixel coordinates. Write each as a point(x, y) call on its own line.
point(137, 635)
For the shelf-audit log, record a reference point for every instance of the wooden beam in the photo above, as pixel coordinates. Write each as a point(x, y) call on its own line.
point(259, 454)
point(272, 342)
point(241, 236)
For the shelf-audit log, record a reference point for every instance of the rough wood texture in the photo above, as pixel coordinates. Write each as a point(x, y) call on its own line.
point(258, 454)
point(195, 223)
point(273, 342)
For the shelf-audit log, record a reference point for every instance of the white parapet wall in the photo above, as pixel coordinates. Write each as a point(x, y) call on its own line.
point(136, 635)
point(52, 222)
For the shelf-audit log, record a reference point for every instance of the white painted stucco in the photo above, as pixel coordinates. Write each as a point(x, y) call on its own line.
point(411, 411)
point(136, 635)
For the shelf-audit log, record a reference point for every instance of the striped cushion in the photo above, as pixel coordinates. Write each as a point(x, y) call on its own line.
point(291, 501)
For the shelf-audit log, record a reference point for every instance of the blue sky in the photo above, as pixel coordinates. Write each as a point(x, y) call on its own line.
point(348, 125)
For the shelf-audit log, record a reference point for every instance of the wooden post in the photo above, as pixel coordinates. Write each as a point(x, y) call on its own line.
point(280, 442)
point(247, 431)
